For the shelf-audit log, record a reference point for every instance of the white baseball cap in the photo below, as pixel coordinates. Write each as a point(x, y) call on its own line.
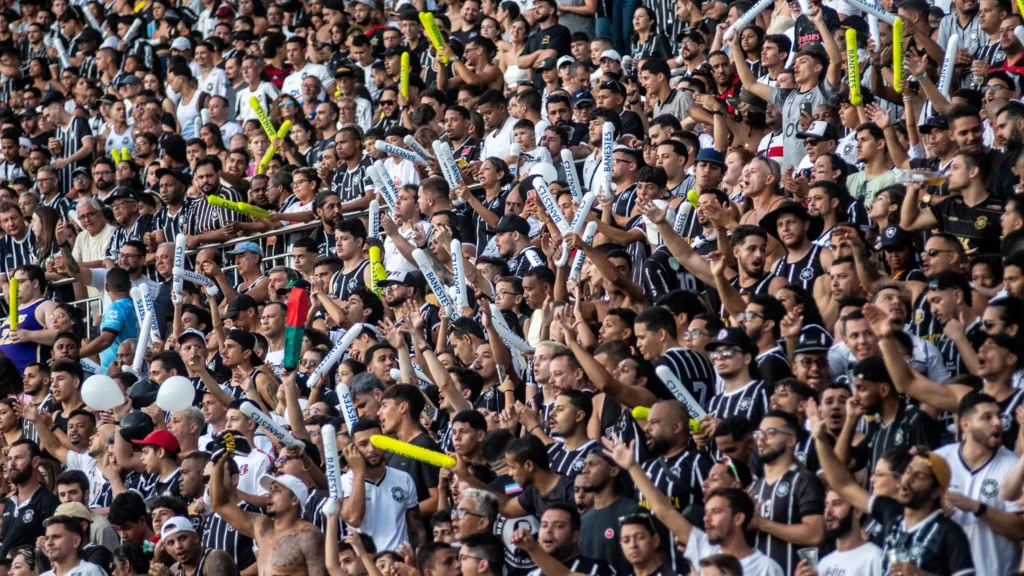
point(288, 481)
point(564, 60)
point(175, 525)
point(610, 54)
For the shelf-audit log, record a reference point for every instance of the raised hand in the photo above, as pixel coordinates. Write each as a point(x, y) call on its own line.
point(879, 320)
point(619, 452)
point(522, 538)
point(791, 324)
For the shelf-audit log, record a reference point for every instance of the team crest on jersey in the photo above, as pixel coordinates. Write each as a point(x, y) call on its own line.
point(981, 222)
point(723, 334)
point(918, 316)
point(745, 404)
point(29, 515)
point(801, 455)
point(244, 469)
point(675, 472)
point(899, 437)
point(974, 35)
point(989, 488)
point(807, 274)
point(1007, 421)
point(916, 552)
point(890, 231)
point(783, 489)
point(398, 494)
point(577, 466)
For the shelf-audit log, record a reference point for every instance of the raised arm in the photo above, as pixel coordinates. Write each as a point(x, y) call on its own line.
point(912, 218)
point(836, 473)
point(746, 75)
point(243, 522)
point(628, 396)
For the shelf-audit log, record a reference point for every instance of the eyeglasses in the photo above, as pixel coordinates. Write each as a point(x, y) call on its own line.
point(88, 215)
point(638, 518)
point(285, 458)
point(127, 255)
point(933, 252)
point(770, 433)
point(297, 182)
point(310, 363)
point(749, 315)
point(460, 513)
point(694, 334)
point(723, 354)
point(993, 88)
point(504, 293)
point(808, 362)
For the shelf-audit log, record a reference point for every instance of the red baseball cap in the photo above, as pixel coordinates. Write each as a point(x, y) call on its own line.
point(160, 439)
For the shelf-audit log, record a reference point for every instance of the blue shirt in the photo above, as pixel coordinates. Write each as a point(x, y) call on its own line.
point(119, 319)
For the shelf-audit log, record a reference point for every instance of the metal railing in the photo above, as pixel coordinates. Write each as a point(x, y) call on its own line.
point(93, 306)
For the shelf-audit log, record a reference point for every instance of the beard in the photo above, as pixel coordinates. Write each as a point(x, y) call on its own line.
point(660, 446)
point(771, 455)
point(843, 528)
point(594, 488)
point(104, 185)
point(19, 477)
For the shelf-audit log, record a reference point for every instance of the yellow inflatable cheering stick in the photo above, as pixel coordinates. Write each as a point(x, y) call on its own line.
point(116, 156)
point(897, 55)
point(377, 272)
point(239, 207)
point(643, 413)
point(281, 133)
point(265, 122)
point(853, 67)
point(126, 154)
point(12, 294)
point(434, 33)
point(412, 451)
point(403, 79)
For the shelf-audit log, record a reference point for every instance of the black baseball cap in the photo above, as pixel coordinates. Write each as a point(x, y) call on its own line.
point(896, 238)
point(732, 338)
point(185, 179)
point(414, 279)
point(247, 341)
point(513, 224)
point(813, 338)
point(936, 122)
point(547, 64)
point(240, 303)
point(872, 369)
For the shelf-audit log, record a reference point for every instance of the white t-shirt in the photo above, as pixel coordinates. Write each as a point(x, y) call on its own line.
point(757, 564)
point(387, 502)
point(214, 83)
point(83, 569)
point(87, 464)
point(403, 173)
point(498, 143)
point(992, 553)
point(251, 468)
point(265, 93)
point(864, 560)
point(293, 83)
point(393, 259)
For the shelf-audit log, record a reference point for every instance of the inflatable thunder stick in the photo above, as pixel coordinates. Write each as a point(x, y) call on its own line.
point(946, 76)
point(265, 122)
point(853, 67)
point(412, 451)
point(459, 272)
point(265, 161)
point(62, 52)
point(377, 272)
point(263, 421)
point(239, 207)
point(515, 151)
point(680, 392)
point(433, 281)
point(398, 151)
point(197, 279)
point(897, 54)
point(434, 33)
point(747, 18)
point(12, 302)
point(569, 167)
point(374, 218)
point(577, 264)
point(641, 413)
point(115, 156)
point(871, 8)
point(329, 437)
point(873, 27)
point(403, 77)
point(334, 356)
point(506, 333)
point(179, 263)
point(416, 147)
point(607, 144)
point(126, 154)
point(548, 202)
point(282, 132)
point(348, 407)
point(147, 306)
point(578, 220)
point(137, 304)
point(132, 31)
point(145, 332)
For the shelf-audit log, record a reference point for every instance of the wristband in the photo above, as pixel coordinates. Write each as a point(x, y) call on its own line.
point(982, 508)
point(535, 426)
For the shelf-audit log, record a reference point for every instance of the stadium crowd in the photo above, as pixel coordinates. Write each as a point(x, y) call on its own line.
point(511, 288)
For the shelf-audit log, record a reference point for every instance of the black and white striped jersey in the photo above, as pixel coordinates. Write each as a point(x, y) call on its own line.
point(911, 427)
point(569, 462)
point(803, 271)
point(71, 139)
point(61, 203)
point(681, 479)
point(165, 486)
point(11, 170)
point(218, 534)
point(28, 429)
point(142, 224)
point(350, 185)
point(170, 224)
point(692, 369)
point(14, 252)
point(531, 257)
point(582, 565)
point(760, 286)
point(936, 544)
point(922, 322)
point(202, 217)
point(951, 354)
point(750, 402)
point(343, 284)
point(794, 496)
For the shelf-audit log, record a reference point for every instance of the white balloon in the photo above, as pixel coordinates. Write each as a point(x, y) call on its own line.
point(545, 171)
point(176, 393)
point(100, 392)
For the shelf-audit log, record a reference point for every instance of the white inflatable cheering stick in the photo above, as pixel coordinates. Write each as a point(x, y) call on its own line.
point(433, 281)
point(416, 147)
point(334, 356)
point(381, 180)
point(506, 333)
point(946, 76)
point(569, 167)
point(147, 306)
point(680, 392)
point(577, 264)
point(514, 151)
point(139, 362)
point(871, 8)
point(329, 436)
point(348, 407)
point(179, 263)
point(398, 151)
point(607, 145)
point(747, 18)
point(459, 272)
point(136, 25)
point(197, 279)
point(263, 421)
point(374, 218)
point(578, 220)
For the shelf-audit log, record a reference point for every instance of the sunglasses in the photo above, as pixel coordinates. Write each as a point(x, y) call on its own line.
point(933, 252)
point(721, 354)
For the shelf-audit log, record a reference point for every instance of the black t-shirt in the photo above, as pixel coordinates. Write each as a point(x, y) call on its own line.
point(536, 503)
point(599, 533)
point(423, 474)
point(557, 38)
point(977, 227)
point(937, 544)
point(795, 495)
point(23, 524)
point(807, 32)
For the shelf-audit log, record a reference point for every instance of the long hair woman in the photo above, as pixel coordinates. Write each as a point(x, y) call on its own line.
point(646, 43)
point(10, 422)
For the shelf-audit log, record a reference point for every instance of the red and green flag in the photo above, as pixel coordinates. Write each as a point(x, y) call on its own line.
point(295, 323)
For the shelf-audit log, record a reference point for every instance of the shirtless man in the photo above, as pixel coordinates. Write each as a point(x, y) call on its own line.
point(296, 547)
